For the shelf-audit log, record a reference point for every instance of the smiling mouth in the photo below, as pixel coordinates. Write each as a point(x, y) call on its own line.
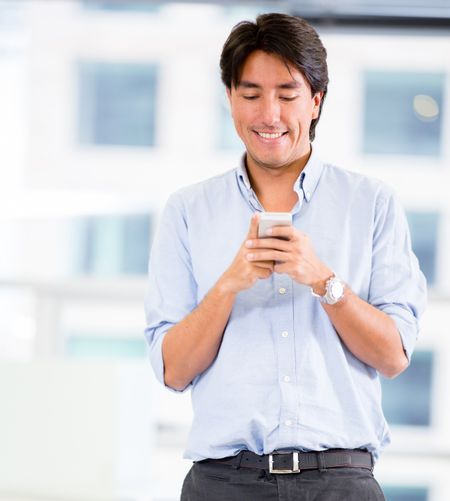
point(270, 135)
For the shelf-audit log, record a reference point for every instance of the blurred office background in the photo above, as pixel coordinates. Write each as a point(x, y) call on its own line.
point(106, 107)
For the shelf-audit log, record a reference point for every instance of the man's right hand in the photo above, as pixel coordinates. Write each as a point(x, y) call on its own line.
point(191, 345)
point(242, 273)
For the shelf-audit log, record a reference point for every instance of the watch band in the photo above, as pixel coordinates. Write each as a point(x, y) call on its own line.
point(334, 290)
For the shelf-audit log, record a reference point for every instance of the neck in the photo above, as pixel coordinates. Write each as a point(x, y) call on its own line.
point(274, 187)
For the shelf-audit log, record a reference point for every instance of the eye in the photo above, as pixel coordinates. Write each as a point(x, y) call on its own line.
point(250, 98)
point(288, 98)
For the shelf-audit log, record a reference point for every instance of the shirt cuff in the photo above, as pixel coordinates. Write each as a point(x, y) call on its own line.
point(157, 362)
point(407, 326)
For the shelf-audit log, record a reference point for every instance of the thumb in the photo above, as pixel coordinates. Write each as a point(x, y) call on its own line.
point(253, 229)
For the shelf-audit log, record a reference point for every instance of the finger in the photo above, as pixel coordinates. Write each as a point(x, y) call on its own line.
point(267, 255)
point(264, 264)
point(268, 244)
point(281, 267)
point(253, 229)
point(265, 273)
point(285, 232)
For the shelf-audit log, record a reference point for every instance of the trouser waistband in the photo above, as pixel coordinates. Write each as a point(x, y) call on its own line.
point(296, 461)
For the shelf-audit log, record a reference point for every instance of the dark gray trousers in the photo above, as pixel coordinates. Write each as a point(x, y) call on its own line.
point(220, 482)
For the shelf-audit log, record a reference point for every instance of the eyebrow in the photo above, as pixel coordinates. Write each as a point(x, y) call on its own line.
point(293, 84)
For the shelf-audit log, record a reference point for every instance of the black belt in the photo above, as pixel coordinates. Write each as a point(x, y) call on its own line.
point(296, 461)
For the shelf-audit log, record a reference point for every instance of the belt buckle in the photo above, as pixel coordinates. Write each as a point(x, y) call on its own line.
point(295, 467)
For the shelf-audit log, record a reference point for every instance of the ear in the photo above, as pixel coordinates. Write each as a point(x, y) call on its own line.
point(228, 101)
point(228, 94)
point(316, 100)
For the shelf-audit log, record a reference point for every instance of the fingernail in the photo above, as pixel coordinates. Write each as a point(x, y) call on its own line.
point(269, 231)
point(248, 243)
point(249, 257)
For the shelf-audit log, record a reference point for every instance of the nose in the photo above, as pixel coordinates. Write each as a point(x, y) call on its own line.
point(270, 111)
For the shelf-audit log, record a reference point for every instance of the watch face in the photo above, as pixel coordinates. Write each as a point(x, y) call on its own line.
point(337, 290)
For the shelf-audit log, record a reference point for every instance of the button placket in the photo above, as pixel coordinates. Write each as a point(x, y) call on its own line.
point(283, 325)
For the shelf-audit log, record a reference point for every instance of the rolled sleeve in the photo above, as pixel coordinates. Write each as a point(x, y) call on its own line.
point(171, 292)
point(155, 338)
point(398, 287)
point(407, 325)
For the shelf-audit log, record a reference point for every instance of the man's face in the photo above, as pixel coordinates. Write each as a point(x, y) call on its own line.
point(272, 109)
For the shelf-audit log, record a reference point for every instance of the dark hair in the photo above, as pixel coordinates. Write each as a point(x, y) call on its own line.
point(291, 38)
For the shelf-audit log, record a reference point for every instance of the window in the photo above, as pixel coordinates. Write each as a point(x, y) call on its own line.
point(424, 237)
point(111, 245)
point(121, 5)
point(405, 493)
point(403, 113)
point(237, 12)
point(105, 347)
point(117, 103)
point(407, 398)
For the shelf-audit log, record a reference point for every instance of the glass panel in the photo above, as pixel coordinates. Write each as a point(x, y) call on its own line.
point(117, 103)
point(403, 113)
point(424, 237)
point(122, 5)
point(136, 242)
point(407, 398)
point(111, 244)
point(105, 347)
point(398, 493)
point(247, 11)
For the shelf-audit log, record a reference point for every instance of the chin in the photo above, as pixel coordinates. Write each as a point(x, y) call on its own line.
point(270, 160)
point(274, 165)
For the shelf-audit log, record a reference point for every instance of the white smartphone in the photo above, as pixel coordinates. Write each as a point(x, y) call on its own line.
point(269, 219)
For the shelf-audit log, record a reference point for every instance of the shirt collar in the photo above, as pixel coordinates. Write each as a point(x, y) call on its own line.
point(306, 182)
point(242, 173)
point(310, 175)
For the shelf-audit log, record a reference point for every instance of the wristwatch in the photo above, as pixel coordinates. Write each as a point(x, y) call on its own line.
point(334, 291)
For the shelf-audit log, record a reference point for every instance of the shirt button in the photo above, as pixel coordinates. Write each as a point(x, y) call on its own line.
point(287, 379)
point(282, 290)
point(285, 333)
point(288, 422)
point(307, 194)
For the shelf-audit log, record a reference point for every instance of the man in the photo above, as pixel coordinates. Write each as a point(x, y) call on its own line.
point(282, 339)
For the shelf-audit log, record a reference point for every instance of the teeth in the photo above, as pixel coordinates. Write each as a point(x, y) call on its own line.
point(265, 135)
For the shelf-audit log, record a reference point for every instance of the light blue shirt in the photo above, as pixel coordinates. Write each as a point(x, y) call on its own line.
point(282, 377)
